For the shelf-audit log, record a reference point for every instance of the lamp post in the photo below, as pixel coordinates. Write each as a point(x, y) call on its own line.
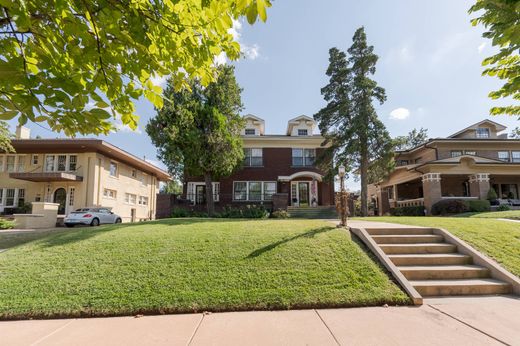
point(343, 197)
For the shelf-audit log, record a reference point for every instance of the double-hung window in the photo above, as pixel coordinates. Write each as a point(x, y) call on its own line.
point(253, 190)
point(143, 200)
point(482, 132)
point(60, 163)
point(113, 169)
point(10, 167)
point(515, 156)
point(456, 153)
point(503, 156)
point(21, 163)
point(250, 132)
point(73, 162)
point(130, 198)
point(253, 157)
point(303, 132)
point(303, 157)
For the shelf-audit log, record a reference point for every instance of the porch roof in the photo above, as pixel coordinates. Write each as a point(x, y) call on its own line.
point(303, 174)
point(46, 177)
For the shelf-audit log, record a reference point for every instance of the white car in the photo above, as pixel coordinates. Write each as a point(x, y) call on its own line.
point(91, 216)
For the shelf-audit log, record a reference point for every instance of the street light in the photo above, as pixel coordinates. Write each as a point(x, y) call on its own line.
point(342, 197)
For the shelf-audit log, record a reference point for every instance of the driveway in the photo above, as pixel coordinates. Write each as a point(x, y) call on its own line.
point(450, 321)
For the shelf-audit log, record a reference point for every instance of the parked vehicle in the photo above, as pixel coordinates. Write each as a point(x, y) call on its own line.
point(91, 216)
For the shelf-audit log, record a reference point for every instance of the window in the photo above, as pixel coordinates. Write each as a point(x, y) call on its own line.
point(9, 197)
point(130, 198)
point(113, 169)
point(240, 190)
point(10, 163)
point(302, 132)
point(21, 197)
point(515, 156)
point(503, 156)
point(35, 159)
point(134, 173)
point(250, 132)
point(62, 163)
point(470, 152)
point(482, 132)
point(303, 157)
point(456, 153)
point(108, 193)
point(418, 160)
point(73, 160)
point(402, 162)
point(21, 163)
point(253, 157)
point(143, 200)
point(49, 163)
point(143, 179)
point(253, 190)
point(71, 196)
point(1, 166)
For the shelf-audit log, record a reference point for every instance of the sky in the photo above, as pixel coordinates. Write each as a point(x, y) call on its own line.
point(429, 63)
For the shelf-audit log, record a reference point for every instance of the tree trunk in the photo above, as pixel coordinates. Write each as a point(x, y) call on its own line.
point(209, 194)
point(364, 178)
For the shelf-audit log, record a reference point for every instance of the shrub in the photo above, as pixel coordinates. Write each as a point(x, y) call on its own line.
point(180, 212)
point(449, 206)
point(280, 214)
point(408, 211)
point(248, 212)
point(503, 207)
point(6, 224)
point(492, 194)
point(479, 205)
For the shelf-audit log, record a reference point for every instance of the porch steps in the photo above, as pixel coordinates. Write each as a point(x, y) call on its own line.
point(433, 266)
point(319, 212)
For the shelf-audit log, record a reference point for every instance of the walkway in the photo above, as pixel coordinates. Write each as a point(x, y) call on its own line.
point(449, 321)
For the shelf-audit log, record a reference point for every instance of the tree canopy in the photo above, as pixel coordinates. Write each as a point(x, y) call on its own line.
point(413, 139)
point(76, 65)
point(198, 135)
point(349, 122)
point(501, 18)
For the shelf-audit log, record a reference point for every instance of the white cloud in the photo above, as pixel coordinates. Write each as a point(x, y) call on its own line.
point(449, 45)
point(250, 52)
point(481, 47)
point(220, 59)
point(235, 29)
point(399, 114)
point(120, 127)
point(402, 54)
point(160, 81)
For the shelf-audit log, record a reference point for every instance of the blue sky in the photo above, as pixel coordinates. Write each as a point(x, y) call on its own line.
point(430, 65)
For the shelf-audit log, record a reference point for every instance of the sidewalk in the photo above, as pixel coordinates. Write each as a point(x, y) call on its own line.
point(447, 321)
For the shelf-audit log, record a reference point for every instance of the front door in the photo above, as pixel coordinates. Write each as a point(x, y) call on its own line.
point(303, 192)
point(200, 194)
point(60, 197)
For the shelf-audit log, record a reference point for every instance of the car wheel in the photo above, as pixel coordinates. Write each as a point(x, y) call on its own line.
point(69, 225)
point(118, 220)
point(95, 222)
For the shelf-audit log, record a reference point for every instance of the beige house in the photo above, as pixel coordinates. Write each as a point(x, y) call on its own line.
point(464, 165)
point(78, 173)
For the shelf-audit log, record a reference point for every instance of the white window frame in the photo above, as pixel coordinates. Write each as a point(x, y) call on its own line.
point(55, 162)
point(248, 160)
point(107, 193)
point(33, 161)
point(454, 152)
point(116, 164)
point(304, 132)
point(17, 194)
point(191, 190)
point(505, 159)
point(7, 164)
point(304, 157)
point(482, 135)
point(143, 200)
point(517, 158)
point(2, 162)
point(262, 190)
point(130, 198)
point(250, 134)
point(470, 152)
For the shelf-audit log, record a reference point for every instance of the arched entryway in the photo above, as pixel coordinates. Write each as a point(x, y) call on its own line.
point(60, 197)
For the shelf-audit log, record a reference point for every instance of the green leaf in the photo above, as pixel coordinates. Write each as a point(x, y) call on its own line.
point(8, 115)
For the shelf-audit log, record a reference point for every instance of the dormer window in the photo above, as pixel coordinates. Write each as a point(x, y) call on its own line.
point(482, 132)
point(303, 132)
point(250, 132)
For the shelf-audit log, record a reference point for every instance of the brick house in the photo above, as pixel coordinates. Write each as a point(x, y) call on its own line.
point(464, 165)
point(279, 168)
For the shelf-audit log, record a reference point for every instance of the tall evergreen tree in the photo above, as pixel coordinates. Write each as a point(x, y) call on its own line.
point(199, 133)
point(413, 139)
point(349, 122)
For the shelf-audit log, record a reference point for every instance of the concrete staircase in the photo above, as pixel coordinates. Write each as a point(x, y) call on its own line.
point(433, 266)
point(319, 212)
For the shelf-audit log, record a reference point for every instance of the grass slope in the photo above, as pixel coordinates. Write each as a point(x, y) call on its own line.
point(509, 214)
point(188, 265)
point(498, 239)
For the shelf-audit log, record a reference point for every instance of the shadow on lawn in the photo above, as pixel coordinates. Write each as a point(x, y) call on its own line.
point(309, 234)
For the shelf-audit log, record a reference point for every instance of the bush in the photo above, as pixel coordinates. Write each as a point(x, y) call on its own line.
point(408, 211)
point(503, 207)
point(492, 194)
point(479, 205)
point(180, 212)
point(6, 224)
point(280, 214)
point(249, 212)
point(449, 206)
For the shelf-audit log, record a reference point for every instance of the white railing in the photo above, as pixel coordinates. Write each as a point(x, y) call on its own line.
point(416, 202)
point(458, 197)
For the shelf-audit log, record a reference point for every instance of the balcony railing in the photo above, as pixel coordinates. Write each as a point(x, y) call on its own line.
point(415, 202)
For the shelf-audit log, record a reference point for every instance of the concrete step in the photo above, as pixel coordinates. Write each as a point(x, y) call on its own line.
point(420, 248)
point(398, 231)
point(444, 272)
point(460, 287)
point(408, 239)
point(430, 259)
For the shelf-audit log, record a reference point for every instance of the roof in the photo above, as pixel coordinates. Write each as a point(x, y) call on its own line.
point(297, 120)
point(498, 127)
point(83, 145)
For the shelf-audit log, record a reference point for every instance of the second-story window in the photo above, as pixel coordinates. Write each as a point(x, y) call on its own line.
point(60, 163)
point(21, 163)
point(73, 162)
point(470, 152)
point(250, 132)
point(113, 169)
point(303, 157)
point(302, 132)
point(9, 163)
point(482, 132)
point(515, 156)
point(456, 153)
point(253, 157)
point(35, 159)
point(402, 162)
point(503, 156)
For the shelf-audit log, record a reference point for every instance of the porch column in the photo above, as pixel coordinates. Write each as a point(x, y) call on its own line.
point(383, 205)
point(431, 190)
point(479, 185)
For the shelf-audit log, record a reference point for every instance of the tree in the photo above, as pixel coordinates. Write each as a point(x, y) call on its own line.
point(173, 187)
point(75, 64)
point(412, 140)
point(199, 133)
point(501, 19)
point(349, 122)
point(515, 134)
point(5, 138)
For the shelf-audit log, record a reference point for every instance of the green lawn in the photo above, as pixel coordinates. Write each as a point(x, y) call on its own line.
point(510, 214)
point(188, 265)
point(496, 238)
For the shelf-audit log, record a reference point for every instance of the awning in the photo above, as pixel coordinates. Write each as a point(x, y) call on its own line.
point(307, 174)
point(46, 177)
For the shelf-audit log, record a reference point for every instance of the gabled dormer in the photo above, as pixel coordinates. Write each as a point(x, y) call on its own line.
point(301, 126)
point(485, 129)
point(254, 126)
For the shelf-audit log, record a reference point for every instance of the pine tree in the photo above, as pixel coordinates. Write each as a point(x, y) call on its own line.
point(349, 122)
